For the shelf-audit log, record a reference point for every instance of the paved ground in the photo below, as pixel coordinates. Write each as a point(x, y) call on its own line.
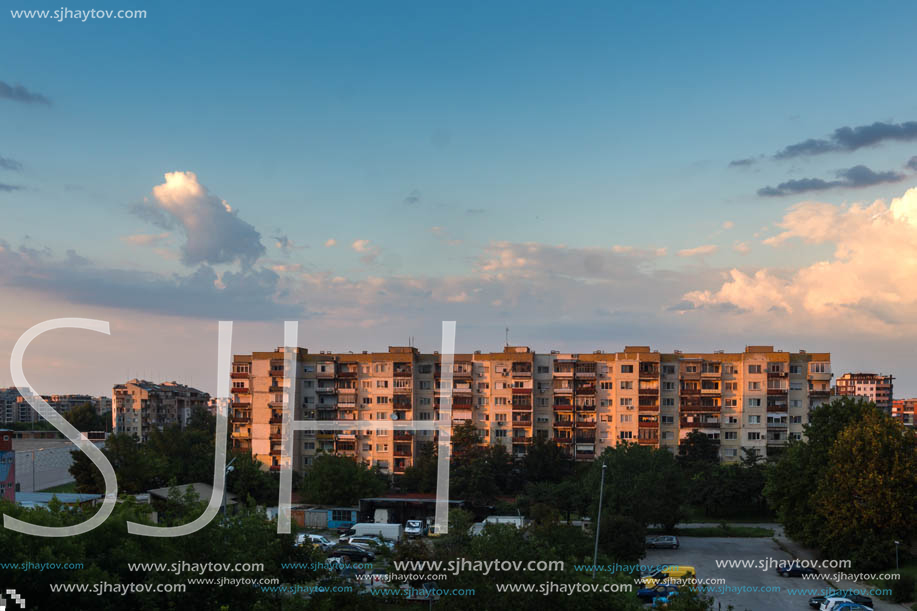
point(703, 552)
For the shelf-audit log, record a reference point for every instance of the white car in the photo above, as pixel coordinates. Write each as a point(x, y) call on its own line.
point(414, 528)
point(319, 541)
point(834, 601)
point(369, 542)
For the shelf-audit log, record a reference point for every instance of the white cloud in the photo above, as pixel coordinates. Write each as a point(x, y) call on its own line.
point(213, 230)
point(707, 249)
point(741, 248)
point(728, 225)
point(867, 284)
point(330, 242)
point(360, 245)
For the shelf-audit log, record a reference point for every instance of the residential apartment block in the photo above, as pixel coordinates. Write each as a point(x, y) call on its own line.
point(757, 399)
point(873, 387)
point(903, 410)
point(15, 408)
point(139, 407)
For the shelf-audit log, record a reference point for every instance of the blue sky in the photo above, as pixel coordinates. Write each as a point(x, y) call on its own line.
point(446, 137)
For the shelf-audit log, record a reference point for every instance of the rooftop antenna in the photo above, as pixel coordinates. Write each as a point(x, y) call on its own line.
point(507, 336)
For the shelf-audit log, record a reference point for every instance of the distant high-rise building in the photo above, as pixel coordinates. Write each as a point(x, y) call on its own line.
point(756, 399)
point(873, 387)
point(139, 406)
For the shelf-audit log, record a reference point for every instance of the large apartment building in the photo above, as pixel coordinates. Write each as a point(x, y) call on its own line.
point(877, 388)
point(757, 399)
point(139, 407)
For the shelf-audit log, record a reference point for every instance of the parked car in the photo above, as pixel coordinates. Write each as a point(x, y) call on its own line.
point(370, 542)
point(649, 594)
point(351, 553)
point(662, 542)
point(415, 528)
point(851, 607)
point(795, 570)
point(319, 541)
point(816, 601)
point(832, 603)
point(378, 578)
point(675, 571)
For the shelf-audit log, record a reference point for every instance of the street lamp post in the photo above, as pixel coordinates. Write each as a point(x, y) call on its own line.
point(229, 468)
point(598, 522)
point(897, 566)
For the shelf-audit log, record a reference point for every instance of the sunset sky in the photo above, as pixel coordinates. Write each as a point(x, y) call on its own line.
point(687, 176)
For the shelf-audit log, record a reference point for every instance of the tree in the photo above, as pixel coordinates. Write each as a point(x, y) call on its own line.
point(546, 462)
point(642, 483)
point(622, 538)
point(421, 476)
point(339, 480)
point(791, 481)
point(84, 418)
point(698, 454)
point(867, 496)
point(248, 480)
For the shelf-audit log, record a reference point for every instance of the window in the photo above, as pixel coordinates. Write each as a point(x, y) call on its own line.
point(626, 418)
point(730, 452)
point(819, 367)
point(754, 403)
point(796, 436)
point(381, 400)
point(668, 386)
point(732, 402)
point(754, 436)
point(795, 403)
point(627, 368)
point(730, 385)
point(425, 415)
point(626, 435)
point(381, 383)
point(795, 369)
point(309, 445)
point(754, 369)
point(691, 368)
point(627, 401)
point(499, 400)
point(796, 419)
point(732, 420)
point(668, 402)
point(668, 420)
point(754, 420)
point(381, 447)
point(500, 417)
point(754, 386)
point(340, 515)
point(425, 369)
point(381, 433)
point(730, 435)
point(668, 370)
point(607, 385)
point(500, 433)
point(627, 385)
point(543, 369)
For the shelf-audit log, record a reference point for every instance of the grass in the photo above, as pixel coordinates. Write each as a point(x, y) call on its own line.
point(69, 487)
point(719, 531)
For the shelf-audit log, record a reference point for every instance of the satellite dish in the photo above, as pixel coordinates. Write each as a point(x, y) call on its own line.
point(394, 416)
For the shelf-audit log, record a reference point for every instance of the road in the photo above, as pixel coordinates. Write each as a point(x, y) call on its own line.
point(703, 553)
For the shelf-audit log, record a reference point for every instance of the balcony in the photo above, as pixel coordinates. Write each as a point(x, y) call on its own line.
point(563, 373)
point(242, 434)
point(325, 436)
point(239, 375)
point(651, 392)
point(563, 390)
point(241, 404)
point(402, 436)
point(275, 467)
point(402, 452)
point(276, 420)
point(346, 374)
point(276, 452)
point(324, 390)
point(275, 388)
point(820, 376)
point(241, 391)
point(585, 424)
point(522, 440)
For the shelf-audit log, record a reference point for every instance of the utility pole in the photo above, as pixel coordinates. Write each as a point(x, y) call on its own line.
point(598, 521)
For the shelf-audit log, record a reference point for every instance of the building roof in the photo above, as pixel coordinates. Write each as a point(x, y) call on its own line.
point(203, 491)
point(43, 498)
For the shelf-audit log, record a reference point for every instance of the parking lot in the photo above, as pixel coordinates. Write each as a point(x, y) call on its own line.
point(703, 552)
